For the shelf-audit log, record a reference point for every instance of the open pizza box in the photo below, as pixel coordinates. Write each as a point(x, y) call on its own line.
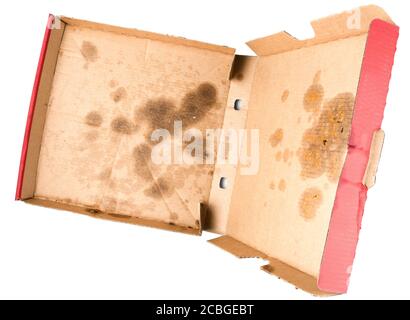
point(301, 119)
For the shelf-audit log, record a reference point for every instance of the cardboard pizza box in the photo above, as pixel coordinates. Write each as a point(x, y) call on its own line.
point(275, 151)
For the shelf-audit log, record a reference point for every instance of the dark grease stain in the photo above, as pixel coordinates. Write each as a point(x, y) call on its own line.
point(89, 51)
point(160, 188)
point(161, 113)
point(119, 94)
point(323, 144)
point(196, 104)
point(121, 125)
point(93, 119)
point(142, 158)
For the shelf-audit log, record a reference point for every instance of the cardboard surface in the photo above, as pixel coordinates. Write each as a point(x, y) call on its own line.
point(279, 216)
point(96, 143)
point(305, 221)
point(241, 81)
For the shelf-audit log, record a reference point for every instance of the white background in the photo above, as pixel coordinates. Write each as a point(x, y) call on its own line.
point(46, 253)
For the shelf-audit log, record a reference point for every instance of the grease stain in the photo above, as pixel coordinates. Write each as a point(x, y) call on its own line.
point(310, 202)
point(119, 94)
point(276, 137)
point(89, 51)
point(324, 144)
point(93, 119)
point(121, 125)
point(285, 95)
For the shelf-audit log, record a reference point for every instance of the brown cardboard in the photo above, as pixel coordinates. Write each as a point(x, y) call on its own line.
point(290, 75)
point(327, 29)
point(241, 80)
point(279, 179)
point(104, 89)
point(56, 170)
point(369, 179)
point(39, 116)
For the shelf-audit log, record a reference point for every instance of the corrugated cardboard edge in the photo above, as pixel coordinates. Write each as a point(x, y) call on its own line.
point(32, 106)
point(91, 212)
point(345, 222)
point(275, 267)
point(327, 29)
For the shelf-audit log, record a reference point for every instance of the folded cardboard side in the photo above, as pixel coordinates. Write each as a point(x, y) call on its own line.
point(365, 145)
point(102, 89)
point(241, 81)
point(306, 100)
point(37, 110)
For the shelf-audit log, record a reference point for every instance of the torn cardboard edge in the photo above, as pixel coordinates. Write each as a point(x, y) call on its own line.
point(327, 29)
point(275, 267)
point(334, 277)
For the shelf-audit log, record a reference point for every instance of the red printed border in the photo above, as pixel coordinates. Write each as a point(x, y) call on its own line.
point(351, 194)
point(33, 105)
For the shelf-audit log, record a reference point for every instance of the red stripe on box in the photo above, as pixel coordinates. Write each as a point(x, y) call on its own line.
point(351, 194)
point(32, 106)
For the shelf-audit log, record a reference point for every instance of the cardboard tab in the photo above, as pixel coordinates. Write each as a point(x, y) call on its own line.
point(294, 276)
point(237, 248)
point(376, 148)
